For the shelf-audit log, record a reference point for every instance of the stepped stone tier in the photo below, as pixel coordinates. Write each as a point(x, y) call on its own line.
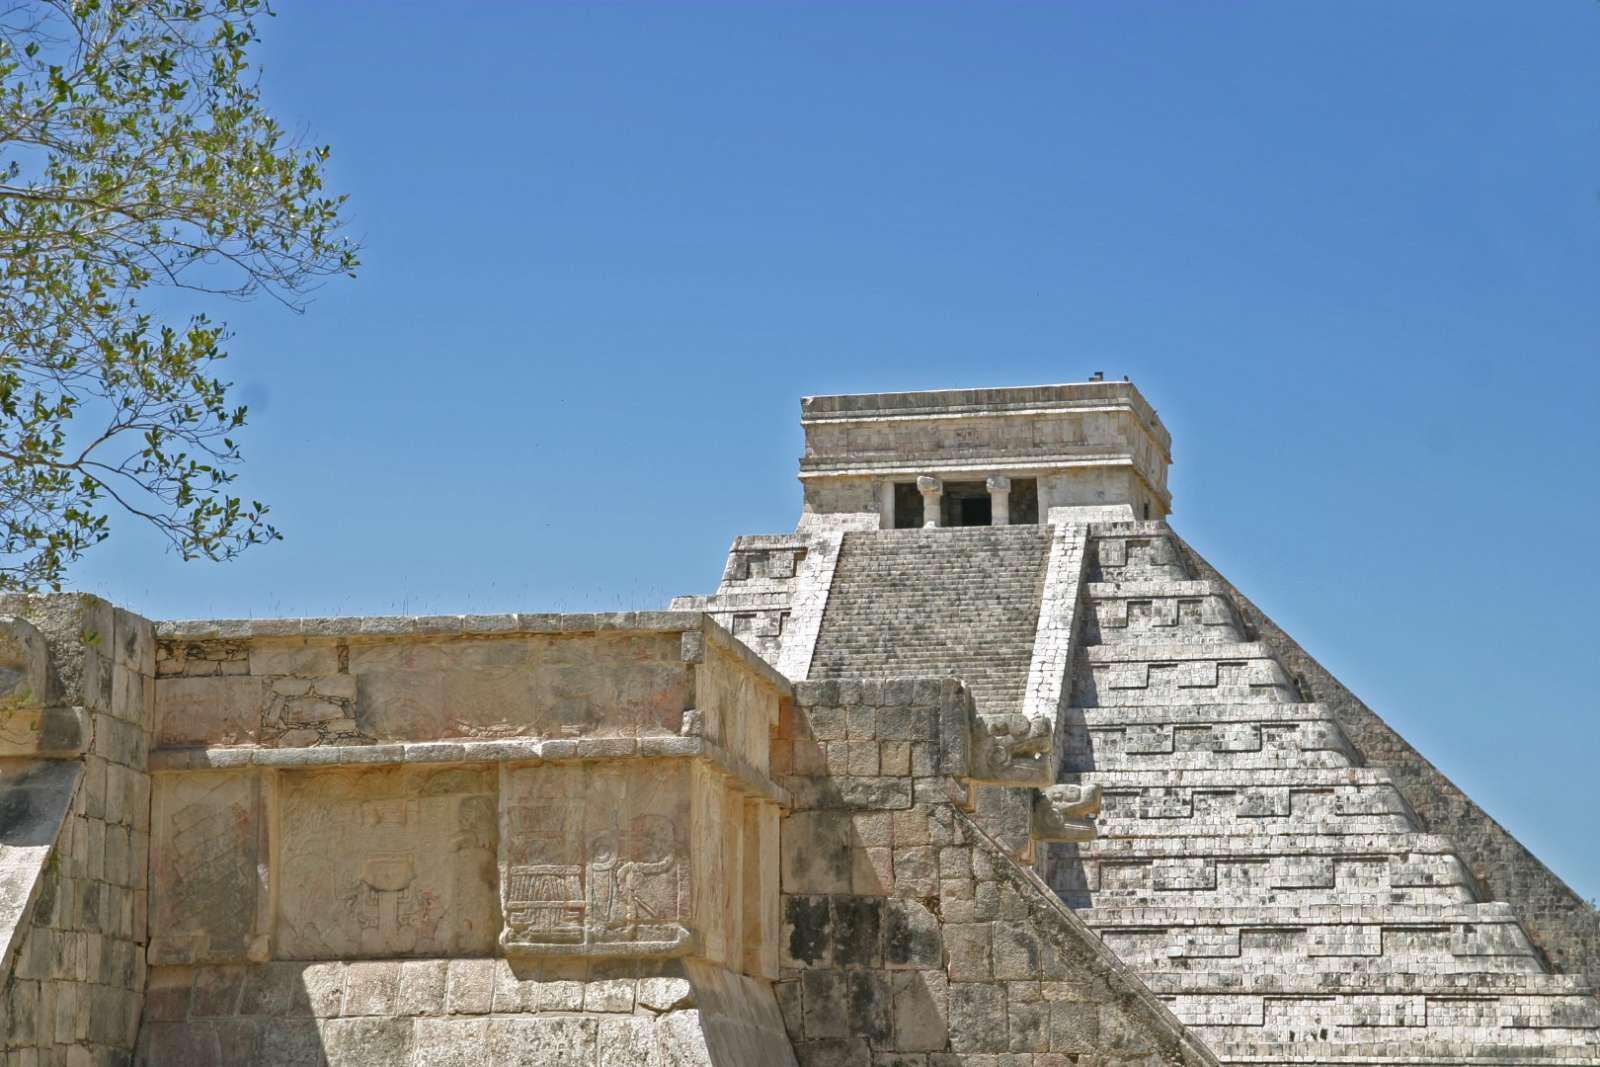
point(1283, 872)
point(981, 766)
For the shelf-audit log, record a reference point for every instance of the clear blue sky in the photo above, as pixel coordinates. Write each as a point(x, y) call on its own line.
point(1350, 250)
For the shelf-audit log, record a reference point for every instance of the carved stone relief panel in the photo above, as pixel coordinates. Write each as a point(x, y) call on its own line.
point(393, 861)
point(208, 856)
point(595, 859)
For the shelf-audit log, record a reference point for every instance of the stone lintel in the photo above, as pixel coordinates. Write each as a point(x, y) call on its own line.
point(388, 626)
point(511, 750)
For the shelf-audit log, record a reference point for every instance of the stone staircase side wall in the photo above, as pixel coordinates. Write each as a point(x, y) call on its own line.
point(813, 580)
point(1056, 635)
point(1564, 927)
point(74, 978)
point(909, 937)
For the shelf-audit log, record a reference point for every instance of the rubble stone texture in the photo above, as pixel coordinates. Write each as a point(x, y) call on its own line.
point(1044, 790)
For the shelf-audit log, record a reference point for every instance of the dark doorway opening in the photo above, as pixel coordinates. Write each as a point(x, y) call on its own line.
point(965, 504)
point(907, 506)
point(1024, 501)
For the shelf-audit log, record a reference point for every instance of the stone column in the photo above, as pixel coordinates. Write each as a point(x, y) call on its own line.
point(932, 490)
point(885, 505)
point(999, 500)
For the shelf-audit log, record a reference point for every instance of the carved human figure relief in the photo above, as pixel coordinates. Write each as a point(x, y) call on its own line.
point(589, 878)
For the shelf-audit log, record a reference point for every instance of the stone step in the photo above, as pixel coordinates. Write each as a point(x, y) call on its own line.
point(1252, 896)
point(1490, 914)
point(1100, 738)
point(1301, 778)
point(1172, 651)
point(1472, 1049)
point(1273, 892)
point(1396, 983)
point(962, 602)
point(1249, 845)
point(1188, 714)
point(1149, 590)
point(1279, 691)
point(1325, 951)
point(1106, 758)
point(1488, 1047)
point(1219, 825)
point(1293, 881)
point(1366, 1017)
point(1202, 713)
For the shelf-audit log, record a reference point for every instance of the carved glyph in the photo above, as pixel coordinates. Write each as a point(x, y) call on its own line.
point(1061, 813)
point(594, 861)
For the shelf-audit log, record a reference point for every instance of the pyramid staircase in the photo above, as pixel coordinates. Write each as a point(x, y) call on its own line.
point(1275, 892)
point(962, 601)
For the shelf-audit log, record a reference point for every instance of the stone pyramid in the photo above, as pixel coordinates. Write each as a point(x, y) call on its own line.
point(1280, 868)
point(980, 766)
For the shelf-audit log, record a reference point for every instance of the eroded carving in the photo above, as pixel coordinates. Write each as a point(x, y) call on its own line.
point(1061, 813)
point(207, 855)
point(361, 863)
point(1012, 750)
point(24, 665)
point(596, 862)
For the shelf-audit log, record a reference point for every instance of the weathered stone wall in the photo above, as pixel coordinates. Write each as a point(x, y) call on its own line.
point(1564, 927)
point(504, 840)
point(461, 1013)
point(1095, 487)
point(534, 679)
point(75, 969)
point(911, 939)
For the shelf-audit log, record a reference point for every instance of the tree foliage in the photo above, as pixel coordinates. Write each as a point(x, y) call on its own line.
point(136, 156)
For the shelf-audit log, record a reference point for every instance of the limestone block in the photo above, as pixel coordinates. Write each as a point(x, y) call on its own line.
point(387, 861)
point(355, 1042)
point(738, 708)
point(1344, 941)
point(462, 1042)
point(1179, 874)
point(547, 685)
point(208, 857)
point(293, 657)
point(540, 1041)
point(209, 710)
point(43, 731)
point(762, 898)
point(978, 1017)
point(135, 644)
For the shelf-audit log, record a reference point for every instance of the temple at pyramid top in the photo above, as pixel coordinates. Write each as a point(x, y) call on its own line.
point(983, 457)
